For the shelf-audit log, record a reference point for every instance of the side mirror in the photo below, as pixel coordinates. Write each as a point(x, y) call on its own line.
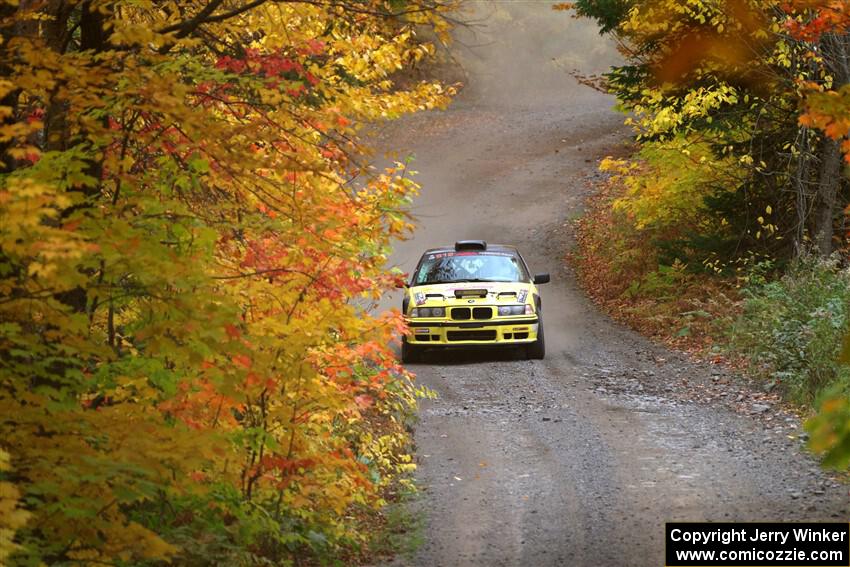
point(541, 278)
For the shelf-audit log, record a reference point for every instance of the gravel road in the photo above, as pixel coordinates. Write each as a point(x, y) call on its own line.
point(578, 459)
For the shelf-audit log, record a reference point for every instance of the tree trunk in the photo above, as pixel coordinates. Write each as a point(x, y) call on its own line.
point(835, 50)
point(802, 177)
point(93, 37)
point(829, 182)
point(92, 27)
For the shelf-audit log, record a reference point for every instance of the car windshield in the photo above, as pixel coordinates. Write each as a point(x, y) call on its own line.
point(445, 267)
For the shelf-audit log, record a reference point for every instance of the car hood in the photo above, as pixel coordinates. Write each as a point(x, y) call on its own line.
point(464, 293)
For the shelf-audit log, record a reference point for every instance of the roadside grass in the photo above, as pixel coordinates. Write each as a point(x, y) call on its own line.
point(792, 328)
point(396, 528)
point(784, 328)
point(393, 530)
point(401, 532)
point(619, 269)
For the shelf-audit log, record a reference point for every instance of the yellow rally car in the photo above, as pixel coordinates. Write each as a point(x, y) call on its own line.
point(473, 295)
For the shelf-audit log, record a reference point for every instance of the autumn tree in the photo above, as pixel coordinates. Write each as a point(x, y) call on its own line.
point(190, 240)
point(823, 28)
point(731, 75)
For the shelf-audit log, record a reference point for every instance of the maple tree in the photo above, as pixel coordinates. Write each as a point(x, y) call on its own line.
point(190, 245)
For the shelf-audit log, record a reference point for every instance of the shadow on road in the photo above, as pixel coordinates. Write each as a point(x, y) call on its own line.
point(456, 357)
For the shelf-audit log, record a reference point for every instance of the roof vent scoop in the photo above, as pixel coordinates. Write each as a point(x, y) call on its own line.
point(470, 245)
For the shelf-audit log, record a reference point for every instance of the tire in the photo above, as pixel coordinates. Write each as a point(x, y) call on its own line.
point(410, 353)
point(537, 349)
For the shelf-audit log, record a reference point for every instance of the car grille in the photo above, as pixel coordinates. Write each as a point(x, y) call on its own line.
point(461, 313)
point(471, 335)
point(465, 313)
point(482, 313)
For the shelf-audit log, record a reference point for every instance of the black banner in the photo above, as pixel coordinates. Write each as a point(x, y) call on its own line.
point(769, 544)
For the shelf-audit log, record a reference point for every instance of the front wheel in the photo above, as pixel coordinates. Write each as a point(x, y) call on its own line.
point(537, 349)
point(409, 352)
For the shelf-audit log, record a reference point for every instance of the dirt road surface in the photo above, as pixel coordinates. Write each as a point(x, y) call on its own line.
point(578, 459)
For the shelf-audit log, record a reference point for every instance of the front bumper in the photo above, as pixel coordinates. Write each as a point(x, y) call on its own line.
point(462, 333)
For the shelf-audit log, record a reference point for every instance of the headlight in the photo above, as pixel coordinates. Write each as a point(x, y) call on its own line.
point(506, 310)
point(428, 312)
